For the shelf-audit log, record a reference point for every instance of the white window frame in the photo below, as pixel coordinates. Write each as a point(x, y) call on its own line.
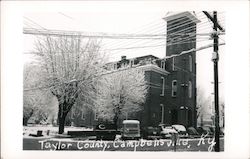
point(190, 63)
point(163, 86)
point(162, 113)
point(174, 88)
point(189, 89)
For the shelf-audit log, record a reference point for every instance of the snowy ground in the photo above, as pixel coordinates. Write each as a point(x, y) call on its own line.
point(49, 130)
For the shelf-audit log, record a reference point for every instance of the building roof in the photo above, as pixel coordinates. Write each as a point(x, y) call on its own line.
point(175, 15)
point(131, 122)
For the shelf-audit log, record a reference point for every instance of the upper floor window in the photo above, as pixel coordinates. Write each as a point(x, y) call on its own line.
point(163, 64)
point(190, 63)
point(115, 66)
point(95, 115)
point(190, 89)
point(132, 62)
point(173, 64)
point(82, 115)
point(163, 86)
point(123, 65)
point(174, 88)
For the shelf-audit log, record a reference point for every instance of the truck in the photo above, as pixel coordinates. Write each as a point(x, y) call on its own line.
point(130, 129)
point(105, 131)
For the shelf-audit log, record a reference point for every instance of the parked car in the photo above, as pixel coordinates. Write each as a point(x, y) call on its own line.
point(212, 128)
point(182, 132)
point(151, 132)
point(130, 129)
point(204, 130)
point(167, 131)
point(192, 132)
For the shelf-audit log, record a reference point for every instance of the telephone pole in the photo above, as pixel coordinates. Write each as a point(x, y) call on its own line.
point(215, 59)
point(216, 86)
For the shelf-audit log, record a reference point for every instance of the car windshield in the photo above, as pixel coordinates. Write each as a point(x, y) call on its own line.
point(168, 127)
point(131, 125)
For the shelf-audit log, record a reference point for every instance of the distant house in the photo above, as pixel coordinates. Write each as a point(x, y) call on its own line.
point(172, 80)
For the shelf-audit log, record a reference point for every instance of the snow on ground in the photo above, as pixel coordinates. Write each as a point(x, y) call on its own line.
point(49, 130)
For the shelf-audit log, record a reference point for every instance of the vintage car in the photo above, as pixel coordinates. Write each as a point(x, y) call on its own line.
point(167, 131)
point(130, 129)
point(151, 132)
point(182, 132)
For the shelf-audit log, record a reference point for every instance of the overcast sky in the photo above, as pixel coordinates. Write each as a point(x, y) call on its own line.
point(130, 18)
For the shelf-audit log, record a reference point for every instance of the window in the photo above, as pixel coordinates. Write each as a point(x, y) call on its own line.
point(174, 88)
point(83, 115)
point(95, 115)
point(115, 66)
point(163, 86)
point(173, 64)
point(190, 63)
point(153, 115)
point(162, 113)
point(126, 115)
point(163, 64)
point(190, 89)
point(123, 65)
point(132, 62)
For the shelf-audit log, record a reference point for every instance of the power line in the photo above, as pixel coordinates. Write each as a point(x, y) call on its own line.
point(69, 17)
point(106, 73)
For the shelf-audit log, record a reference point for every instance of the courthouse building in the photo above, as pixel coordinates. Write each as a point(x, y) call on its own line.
point(172, 80)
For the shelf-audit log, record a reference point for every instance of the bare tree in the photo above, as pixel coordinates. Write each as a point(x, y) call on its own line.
point(203, 104)
point(35, 102)
point(120, 93)
point(222, 112)
point(69, 66)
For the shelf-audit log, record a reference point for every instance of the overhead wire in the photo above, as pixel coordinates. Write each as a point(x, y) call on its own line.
point(164, 29)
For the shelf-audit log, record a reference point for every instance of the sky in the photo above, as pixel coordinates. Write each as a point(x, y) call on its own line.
point(143, 20)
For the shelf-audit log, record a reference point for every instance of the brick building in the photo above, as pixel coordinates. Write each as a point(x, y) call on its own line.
point(172, 80)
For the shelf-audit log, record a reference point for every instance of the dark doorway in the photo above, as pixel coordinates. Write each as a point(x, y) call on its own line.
point(190, 119)
point(174, 116)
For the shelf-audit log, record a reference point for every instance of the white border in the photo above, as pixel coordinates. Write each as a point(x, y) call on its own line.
point(236, 77)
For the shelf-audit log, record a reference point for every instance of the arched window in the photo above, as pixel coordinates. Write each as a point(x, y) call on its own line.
point(190, 89)
point(173, 64)
point(163, 64)
point(174, 88)
point(163, 86)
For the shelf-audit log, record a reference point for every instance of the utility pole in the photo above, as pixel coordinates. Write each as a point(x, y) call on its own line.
point(215, 59)
point(216, 86)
